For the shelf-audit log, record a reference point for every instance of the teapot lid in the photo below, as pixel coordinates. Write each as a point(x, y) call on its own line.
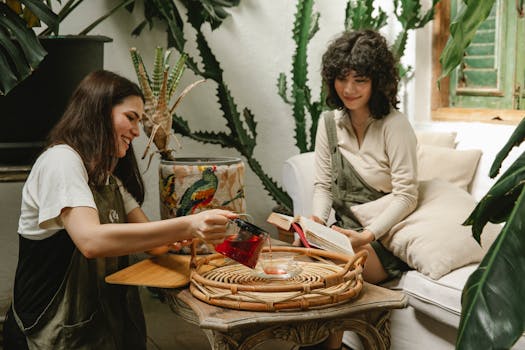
point(248, 226)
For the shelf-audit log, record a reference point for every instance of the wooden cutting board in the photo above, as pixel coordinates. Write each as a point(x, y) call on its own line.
point(164, 271)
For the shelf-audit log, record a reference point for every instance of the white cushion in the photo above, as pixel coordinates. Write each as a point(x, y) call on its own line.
point(436, 138)
point(439, 298)
point(432, 239)
point(298, 180)
point(489, 138)
point(455, 166)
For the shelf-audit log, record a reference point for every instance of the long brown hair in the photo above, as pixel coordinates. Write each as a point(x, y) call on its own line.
point(87, 127)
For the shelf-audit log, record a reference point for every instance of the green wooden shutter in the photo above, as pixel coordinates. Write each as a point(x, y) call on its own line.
point(478, 69)
point(519, 89)
point(489, 72)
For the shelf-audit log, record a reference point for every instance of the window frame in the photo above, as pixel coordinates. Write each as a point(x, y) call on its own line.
point(440, 97)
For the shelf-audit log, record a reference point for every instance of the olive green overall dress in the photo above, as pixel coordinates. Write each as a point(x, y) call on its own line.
point(86, 313)
point(348, 189)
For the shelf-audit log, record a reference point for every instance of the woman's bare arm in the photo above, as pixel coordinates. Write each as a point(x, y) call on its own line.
point(94, 239)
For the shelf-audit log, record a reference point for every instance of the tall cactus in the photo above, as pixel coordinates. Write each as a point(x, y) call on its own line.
point(408, 13)
point(306, 25)
point(359, 15)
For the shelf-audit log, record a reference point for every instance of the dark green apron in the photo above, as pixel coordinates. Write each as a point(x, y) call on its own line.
point(86, 313)
point(348, 189)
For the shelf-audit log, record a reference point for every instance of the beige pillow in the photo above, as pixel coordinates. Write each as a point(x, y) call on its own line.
point(455, 166)
point(437, 138)
point(432, 239)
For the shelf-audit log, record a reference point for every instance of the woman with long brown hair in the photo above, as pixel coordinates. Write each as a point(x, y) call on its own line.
point(80, 218)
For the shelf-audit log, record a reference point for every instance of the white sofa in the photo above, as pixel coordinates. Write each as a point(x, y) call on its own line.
point(431, 319)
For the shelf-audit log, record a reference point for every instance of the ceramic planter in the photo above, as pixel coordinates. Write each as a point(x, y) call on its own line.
point(190, 185)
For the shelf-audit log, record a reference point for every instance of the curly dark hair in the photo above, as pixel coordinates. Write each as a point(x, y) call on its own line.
point(365, 52)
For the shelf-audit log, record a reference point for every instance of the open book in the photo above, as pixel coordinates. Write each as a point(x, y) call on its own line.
point(313, 234)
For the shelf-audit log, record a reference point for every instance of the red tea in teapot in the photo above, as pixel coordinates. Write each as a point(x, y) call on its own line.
point(244, 246)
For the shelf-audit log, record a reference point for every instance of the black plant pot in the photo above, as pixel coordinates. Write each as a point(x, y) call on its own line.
point(29, 111)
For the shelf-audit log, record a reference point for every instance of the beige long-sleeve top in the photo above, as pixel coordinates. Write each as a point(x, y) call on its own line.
point(386, 160)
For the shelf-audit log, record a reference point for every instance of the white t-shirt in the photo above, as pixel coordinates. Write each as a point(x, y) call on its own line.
point(57, 180)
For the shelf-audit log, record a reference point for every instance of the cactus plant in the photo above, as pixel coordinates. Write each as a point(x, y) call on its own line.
point(306, 24)
point(238, 137)
point(359, 15)
point(158, 92)
point(408, 13)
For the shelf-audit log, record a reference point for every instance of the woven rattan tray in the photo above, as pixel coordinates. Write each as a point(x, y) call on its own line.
point(326, 278)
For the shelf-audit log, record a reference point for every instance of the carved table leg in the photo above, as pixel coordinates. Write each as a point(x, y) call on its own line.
point(221, 341)
point(372, 327)
point(304, 333)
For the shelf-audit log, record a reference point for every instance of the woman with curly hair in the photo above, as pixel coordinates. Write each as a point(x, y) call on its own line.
point(365, 148)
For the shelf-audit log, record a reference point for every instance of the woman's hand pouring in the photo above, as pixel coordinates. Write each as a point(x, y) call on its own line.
point(211, 225)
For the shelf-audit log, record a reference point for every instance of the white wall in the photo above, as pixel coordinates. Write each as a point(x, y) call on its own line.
point(253, 46)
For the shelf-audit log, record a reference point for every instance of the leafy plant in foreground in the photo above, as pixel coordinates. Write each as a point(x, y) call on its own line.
point(493, 311)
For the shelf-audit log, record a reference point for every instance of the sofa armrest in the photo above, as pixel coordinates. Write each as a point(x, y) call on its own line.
point(298, 181)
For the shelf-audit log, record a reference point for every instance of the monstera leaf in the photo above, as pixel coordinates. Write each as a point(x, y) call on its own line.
point(493, 311)
point(20, 50)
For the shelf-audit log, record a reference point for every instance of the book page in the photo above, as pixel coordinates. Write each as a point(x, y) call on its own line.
point(324, 237)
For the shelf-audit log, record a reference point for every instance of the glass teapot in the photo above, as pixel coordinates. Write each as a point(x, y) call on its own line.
point(245, 244)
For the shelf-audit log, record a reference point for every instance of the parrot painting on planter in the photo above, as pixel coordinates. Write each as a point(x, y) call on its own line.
point(200, 193)
point(168, 195)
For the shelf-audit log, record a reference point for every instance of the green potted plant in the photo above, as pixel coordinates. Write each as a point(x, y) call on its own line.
point(493, 312)
point(38, 73)
point(190, 184)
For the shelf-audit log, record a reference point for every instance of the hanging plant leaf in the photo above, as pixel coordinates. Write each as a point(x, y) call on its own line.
point(462, 30)
point(25, 45)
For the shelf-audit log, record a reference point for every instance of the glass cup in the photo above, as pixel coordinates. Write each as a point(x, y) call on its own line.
point(277, 265)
